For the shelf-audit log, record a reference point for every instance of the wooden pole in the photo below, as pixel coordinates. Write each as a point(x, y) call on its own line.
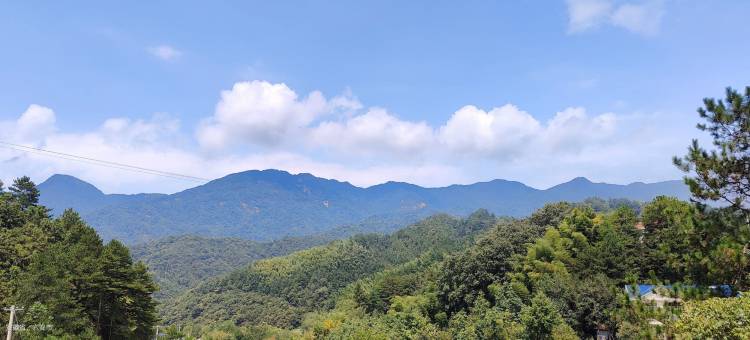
point(12, 311)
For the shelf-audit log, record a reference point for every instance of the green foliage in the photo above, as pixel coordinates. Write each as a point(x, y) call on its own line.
point(70, 284)
point(25, 192)
point(181, 262)
point(286, 287)
point(722, 174)
point(551, 214)
point(668, 225)
point(719, 248)
point(468, 275)
point(540, 318)
point(601, 205)
point(715, 318)
point(485, 322)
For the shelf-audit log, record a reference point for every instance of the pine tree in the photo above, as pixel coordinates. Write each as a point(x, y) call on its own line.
point(722, 174)
point(25, 191)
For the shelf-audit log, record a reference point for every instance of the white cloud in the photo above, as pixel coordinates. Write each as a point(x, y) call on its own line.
point(375, 132)
point(336, 138)
point(500, 132)
point(508, 133)
point(153, 143)
point(262, 113)
point(36, 121)
point(572, 129)
point(587, 14)
point(642, 17)
point(273, 117)
point(165, 52)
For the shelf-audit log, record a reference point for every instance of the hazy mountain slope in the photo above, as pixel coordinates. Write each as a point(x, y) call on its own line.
point(272, 204)
point(60, 192)
point(581, 188)
point(180, 262)
point(260, 205)
point(308, 279)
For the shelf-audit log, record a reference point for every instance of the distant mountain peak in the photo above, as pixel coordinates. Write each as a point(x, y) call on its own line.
point(70, 183)
point(580, 180)
point(63, 177)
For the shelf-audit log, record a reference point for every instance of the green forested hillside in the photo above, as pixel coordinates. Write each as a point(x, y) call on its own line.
point(68, 283)
point(558, 274)
point(180, 262)
point(281, 289)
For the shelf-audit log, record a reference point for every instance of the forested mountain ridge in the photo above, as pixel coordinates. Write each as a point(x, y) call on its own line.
point(256, 204)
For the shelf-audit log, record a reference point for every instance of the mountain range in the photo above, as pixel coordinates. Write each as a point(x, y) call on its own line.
point(271, 204)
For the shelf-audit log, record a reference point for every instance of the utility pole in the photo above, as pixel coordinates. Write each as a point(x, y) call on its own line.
point(12, 311)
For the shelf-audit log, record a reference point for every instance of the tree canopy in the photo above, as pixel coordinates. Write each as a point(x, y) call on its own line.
point(68, 281)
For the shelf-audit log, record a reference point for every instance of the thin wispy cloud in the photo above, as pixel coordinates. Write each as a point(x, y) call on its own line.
point(643, 17)
point(165, 52)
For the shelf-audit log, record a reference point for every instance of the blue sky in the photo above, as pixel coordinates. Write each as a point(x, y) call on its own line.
point(431, 92)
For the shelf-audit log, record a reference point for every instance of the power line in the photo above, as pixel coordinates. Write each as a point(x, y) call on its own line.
point(100, 162)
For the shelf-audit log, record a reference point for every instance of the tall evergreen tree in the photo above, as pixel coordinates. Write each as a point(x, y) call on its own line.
point(722, 174)
point(25, 191)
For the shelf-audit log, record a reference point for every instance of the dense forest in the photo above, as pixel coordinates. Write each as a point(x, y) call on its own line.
point(558, 274)
point(284, 288)
point(181, 262)
point(69, 283)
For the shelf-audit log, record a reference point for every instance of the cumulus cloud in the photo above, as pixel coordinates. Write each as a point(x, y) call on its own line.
point(500, 131)
point(572, 129)
point(642, 17)
point(274, 117)
point(165, 52)
point(507, 133)
point(262, 113)
point(375, 131)
point(37, 121)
